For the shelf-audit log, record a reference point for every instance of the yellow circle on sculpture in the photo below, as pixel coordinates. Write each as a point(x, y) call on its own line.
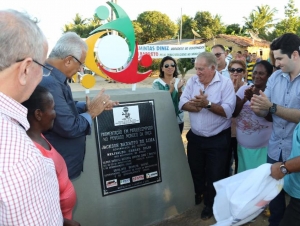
point(88, 81)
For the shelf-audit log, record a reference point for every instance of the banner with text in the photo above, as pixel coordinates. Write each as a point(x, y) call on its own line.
point(175, 51)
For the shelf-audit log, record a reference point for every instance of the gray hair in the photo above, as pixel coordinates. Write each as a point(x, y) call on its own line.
point(210, 58)
point(20, 37)
point(68, 44)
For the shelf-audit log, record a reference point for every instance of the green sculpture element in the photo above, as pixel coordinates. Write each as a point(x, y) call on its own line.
point(122, 24)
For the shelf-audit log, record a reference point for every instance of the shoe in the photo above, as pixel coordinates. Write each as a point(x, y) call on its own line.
point(198, 199)
point(207, 213)
point(267, 212)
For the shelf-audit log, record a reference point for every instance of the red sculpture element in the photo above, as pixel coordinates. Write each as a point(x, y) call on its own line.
point(146, 60)
point(130, 74)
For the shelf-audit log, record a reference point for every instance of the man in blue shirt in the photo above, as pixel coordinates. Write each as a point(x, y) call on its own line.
point(73, 119)
point(282, 99)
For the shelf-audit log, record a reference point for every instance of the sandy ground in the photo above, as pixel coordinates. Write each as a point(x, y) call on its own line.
point(192, 216)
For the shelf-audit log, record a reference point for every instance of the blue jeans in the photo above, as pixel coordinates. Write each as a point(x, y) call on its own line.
point(277, 205)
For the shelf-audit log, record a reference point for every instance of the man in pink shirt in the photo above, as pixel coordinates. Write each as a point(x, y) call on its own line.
point(210, 99)
point(29, 193)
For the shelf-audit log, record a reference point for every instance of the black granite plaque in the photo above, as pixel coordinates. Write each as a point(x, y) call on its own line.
point(127, 147)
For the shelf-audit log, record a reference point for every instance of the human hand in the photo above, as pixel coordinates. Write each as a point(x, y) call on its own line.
point(68, 222)
point(180, 84)
point(99, 103)
point(200, 100)
point(276, 172)
point(249, 93)
point(260, 102)
point(172, 84)
point(111, 104)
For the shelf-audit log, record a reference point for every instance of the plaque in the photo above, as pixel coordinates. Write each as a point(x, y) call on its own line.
point(127, 147)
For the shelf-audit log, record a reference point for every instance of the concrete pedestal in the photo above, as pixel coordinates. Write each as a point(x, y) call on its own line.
point(144, 205)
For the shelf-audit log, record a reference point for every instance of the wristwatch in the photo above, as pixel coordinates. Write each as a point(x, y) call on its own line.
point(283, 169)
point(209, 105)
point(273, 109)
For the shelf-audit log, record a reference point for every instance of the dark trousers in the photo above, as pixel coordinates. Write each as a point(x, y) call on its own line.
point(208, 161)
point(232, 150)
point(292, 213)
point(181, 127)
point(277, 205)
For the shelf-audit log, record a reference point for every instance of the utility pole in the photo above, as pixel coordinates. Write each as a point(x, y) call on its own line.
point(180, 25)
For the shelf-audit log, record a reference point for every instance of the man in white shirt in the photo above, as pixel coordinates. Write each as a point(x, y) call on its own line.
point(29, 192)
point(219, 52)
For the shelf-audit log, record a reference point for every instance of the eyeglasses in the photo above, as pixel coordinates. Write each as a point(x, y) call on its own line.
point(81, 64)
point(167, 65)
point(46, 71)
point(218, 54)
point(238, 70)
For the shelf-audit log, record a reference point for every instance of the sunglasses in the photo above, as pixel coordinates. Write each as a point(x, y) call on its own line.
point(167, 65)
point(238, 70)
point(218, 54)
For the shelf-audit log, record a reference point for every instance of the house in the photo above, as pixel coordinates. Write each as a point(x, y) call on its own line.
point(240, 43)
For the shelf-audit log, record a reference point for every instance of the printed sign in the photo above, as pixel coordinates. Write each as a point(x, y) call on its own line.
point(127, 147)
point(175, 51)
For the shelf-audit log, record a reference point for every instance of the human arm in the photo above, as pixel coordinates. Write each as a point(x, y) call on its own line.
point(242, 96)
point(292, 165)
point(185, 103)
point(261, 104)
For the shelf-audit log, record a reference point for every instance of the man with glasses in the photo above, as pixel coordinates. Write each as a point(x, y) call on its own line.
point(73, 119)
point(28, 183)
point(221, 54)
point(209, 98)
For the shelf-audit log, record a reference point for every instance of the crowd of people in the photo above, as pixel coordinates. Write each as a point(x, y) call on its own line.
point(251, 120)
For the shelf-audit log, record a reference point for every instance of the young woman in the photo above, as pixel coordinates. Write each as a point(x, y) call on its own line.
point(168, 81)
point(41, 115)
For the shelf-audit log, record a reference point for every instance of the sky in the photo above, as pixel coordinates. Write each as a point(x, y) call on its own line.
point(54, 14)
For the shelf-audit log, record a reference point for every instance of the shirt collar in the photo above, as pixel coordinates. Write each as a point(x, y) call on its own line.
point(61, 77)
point(14, 110)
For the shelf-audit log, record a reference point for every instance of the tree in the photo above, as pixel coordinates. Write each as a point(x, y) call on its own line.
point(291, 22)
point(235, 29)
point(208, 26)
point(81, 26)
point(184, 65)
point(260, 19)
point(188, 23)
point(155, 26)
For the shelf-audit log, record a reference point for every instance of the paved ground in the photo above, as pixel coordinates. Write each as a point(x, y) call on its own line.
point(192, 216)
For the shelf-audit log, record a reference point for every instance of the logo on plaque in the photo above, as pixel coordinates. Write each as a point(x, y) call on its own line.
point(126, 115)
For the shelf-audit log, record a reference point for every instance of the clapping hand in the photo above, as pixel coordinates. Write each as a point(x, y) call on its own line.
point(180, 83)
point(249, 93)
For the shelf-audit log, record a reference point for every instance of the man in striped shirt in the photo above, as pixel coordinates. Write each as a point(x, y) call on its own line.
point(29, 193)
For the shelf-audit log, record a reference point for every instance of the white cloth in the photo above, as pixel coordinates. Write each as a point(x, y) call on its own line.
point(242, 197)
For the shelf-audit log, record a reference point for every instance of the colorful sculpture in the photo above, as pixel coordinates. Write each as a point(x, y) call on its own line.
point(115, 57)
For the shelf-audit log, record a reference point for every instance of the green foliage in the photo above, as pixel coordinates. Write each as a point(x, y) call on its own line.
point(82, 27)
point(291, 22)
point(260, 19)
point(155, 26)
point(208, 26)
point(184, 65)
point(188, 23)
point(235, 29)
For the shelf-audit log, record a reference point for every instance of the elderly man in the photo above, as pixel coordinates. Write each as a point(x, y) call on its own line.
point(281, 99)
point(73, 119)
point(209, 98)
point(29, 190)
point(221, 54)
